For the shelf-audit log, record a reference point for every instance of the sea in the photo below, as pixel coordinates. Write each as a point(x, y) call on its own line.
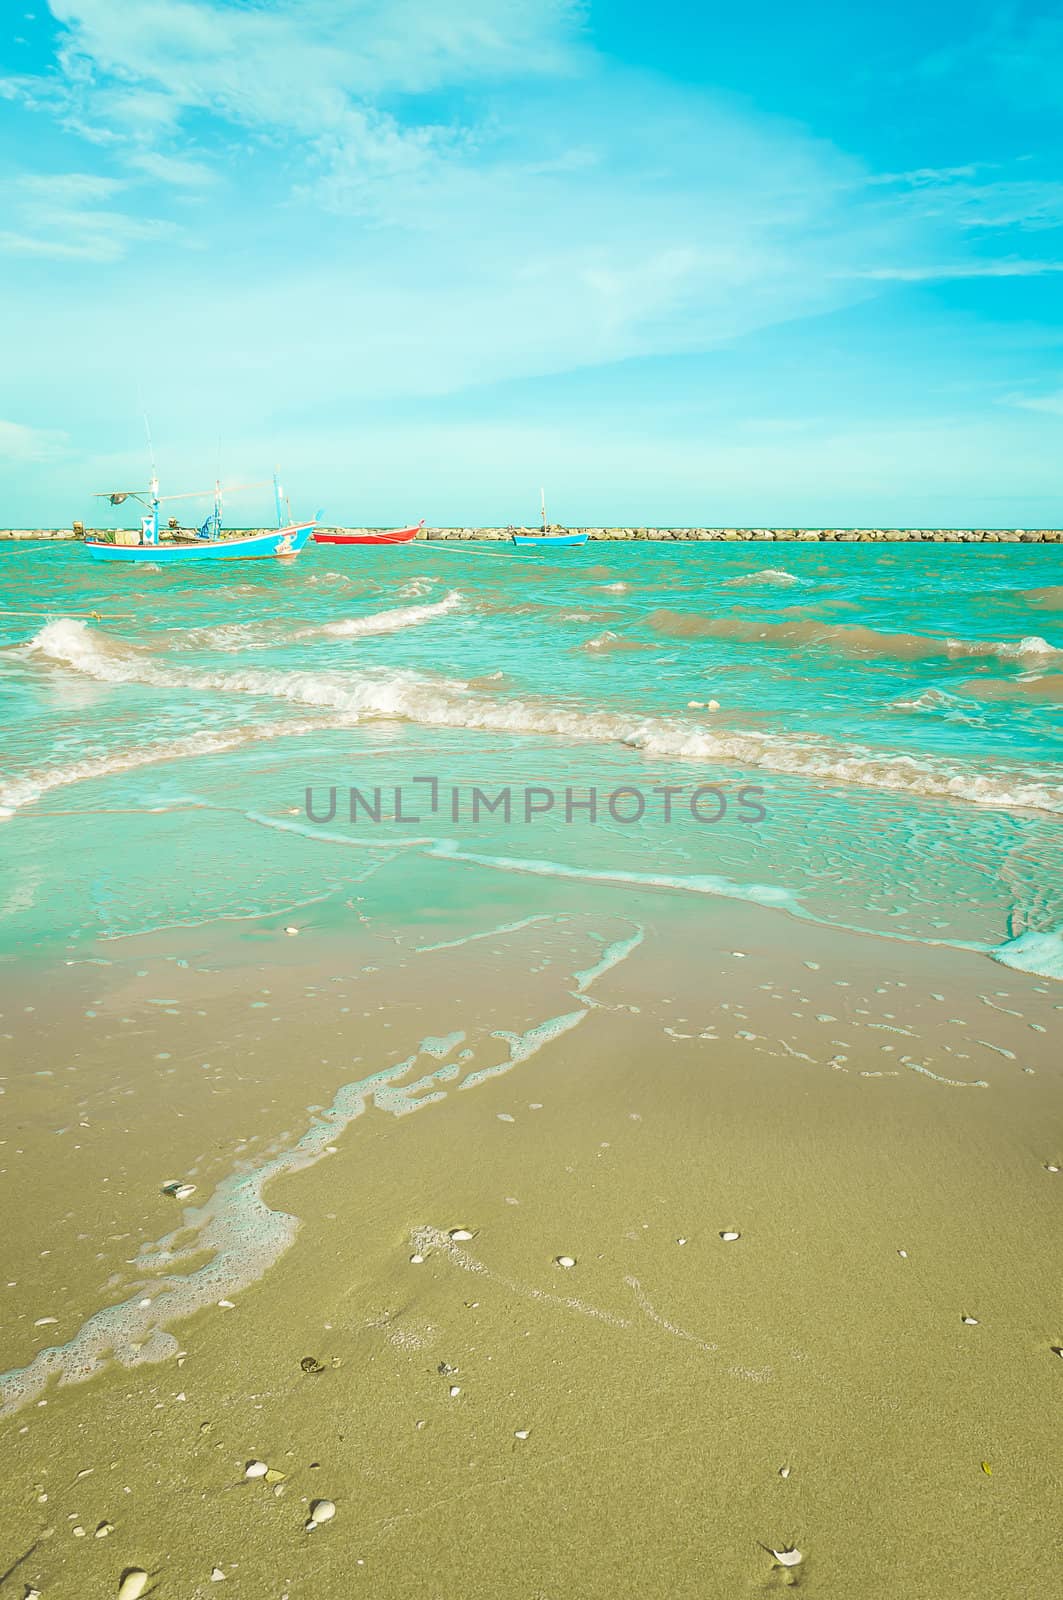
point(860, 736)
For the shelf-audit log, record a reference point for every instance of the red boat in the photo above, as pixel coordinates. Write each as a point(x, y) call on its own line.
point(389, 536)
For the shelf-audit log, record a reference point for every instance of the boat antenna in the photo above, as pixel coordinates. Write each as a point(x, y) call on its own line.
point(542, 502)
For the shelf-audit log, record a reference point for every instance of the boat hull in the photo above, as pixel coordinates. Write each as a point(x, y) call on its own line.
point(278, 542)
point(391, 536)
point(548, 541)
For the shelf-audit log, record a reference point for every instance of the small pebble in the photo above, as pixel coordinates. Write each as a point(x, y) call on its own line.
point(455, 1390)
point(417, 1260)
point(729, 1235)
point(217, 1575)
point(291, 930)
point(565, 1261)
point(460, 1234)
point(104, 1529)
point(903, 1254)
point(971, 1322)
point(1051, 1166)
point(255, 1469)
point(133, 1582)
point(681, 1241)
point(784, 1472)
point(522, 1433)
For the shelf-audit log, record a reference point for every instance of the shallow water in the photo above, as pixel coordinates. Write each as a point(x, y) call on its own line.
point(894, 713)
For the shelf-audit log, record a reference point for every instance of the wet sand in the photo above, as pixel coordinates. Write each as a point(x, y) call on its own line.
point(735, 1071)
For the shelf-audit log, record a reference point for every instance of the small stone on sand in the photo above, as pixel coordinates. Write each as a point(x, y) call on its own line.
point(417, 1259)
point(729, 1235)
point(565, 1261)
point(971, 1322)
point(788, 1558)
point(133, 1582)
point(217, 1575)
point(460, 1234)
point(255, 1469)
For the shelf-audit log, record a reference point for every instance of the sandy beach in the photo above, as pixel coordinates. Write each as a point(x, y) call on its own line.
point(864, 1375)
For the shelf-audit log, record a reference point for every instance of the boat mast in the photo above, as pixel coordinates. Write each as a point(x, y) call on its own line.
point(277, 492)
point(542, 501)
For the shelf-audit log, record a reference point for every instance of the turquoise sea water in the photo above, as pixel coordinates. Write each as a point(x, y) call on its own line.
point(897, 709)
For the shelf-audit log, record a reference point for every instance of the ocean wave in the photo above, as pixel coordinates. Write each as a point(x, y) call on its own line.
point(448, 703)
point(775, 577)
point(32, 786)
point(850, 638)
point(938, 702)
point(608, 642)
point(387, 621)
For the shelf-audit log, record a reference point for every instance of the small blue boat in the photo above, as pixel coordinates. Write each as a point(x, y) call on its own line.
point(545, 540)
point(206, 543)
point(549, 541)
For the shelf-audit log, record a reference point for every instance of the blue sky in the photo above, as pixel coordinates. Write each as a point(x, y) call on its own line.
point(681, 263)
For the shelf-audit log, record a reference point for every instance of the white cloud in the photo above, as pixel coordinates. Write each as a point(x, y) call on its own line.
point(19, 443)
point(1050, 403)
point(1009, 268)
point(62, 216)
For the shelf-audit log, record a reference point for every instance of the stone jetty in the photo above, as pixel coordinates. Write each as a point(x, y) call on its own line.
point(667, 535)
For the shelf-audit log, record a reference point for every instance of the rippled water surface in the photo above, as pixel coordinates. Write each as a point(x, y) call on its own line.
point(897, 708)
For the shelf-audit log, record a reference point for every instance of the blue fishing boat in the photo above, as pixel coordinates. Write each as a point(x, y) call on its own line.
point(545, 540)
point(206, 543)
point(549, 541)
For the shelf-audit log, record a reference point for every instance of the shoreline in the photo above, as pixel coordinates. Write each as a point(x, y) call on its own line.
point(676, 535)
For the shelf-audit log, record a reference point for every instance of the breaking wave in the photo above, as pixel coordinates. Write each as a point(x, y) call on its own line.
point(449, 703)
point(774, 577)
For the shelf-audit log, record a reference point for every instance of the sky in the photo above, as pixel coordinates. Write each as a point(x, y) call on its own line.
point(680, 263)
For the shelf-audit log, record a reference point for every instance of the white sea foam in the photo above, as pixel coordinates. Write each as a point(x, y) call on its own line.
point(447, 703)
point(388, 621)
point(775, 577)
point(1034, 952)
point(236, 1229)
point(31, 786)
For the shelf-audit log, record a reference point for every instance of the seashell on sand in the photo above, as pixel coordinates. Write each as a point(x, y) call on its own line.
point(103, 1530)
point(217, 1575)
point(177, 1189)
point(291, 931)
point(729, 1235)
point(784, 1472)
point(521, 1433)
point(417, 1259)
point(320, 1511)
point(565, 1261)
point(461, 1234)
point(133, 1582)
point(255, 1469)
point(788, 1558)
point(971, 1322)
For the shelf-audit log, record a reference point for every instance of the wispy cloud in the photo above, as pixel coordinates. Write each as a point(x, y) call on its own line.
point(19, 443)
point(65, 216)
point(1051, 403)
point(1010, 268)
